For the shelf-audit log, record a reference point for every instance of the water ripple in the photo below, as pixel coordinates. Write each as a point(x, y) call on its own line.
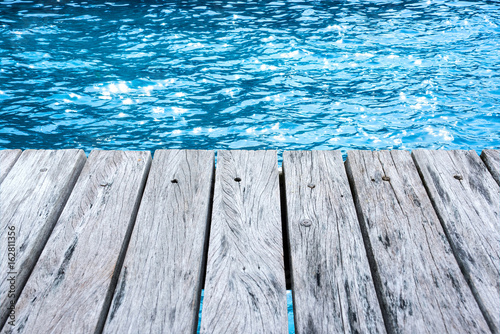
point(250, 75)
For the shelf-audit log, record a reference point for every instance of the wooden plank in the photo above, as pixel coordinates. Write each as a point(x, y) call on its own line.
point(333, 290)
point(245, 284)
point(32, 196)
point(419, 282)
point(70, 288)
point(467, 200)
point(160, 284)
point(7, 160)
point(491, 159)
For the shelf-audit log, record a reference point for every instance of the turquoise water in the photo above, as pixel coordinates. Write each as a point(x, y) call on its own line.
point(256, 75)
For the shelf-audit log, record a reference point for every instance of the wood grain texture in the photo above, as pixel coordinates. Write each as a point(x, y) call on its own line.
point(7, 160)
point(71, 286)
point(245, 282)
point(160, 284)
point(333, 290)
point(467, 200)
point(419, 282)
point(491, 159)
point(32, 196)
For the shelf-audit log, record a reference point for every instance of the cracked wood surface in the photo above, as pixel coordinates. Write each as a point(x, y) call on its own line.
point(419, 282)
point(491, 159)
point(70, 288)
point(160, 284)
point(333, 290)
point(245, 282)
point(467, 200)
point(32, 196)
point(7, 160)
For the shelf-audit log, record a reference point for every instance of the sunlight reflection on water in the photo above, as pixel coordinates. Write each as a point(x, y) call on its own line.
point(267, 75)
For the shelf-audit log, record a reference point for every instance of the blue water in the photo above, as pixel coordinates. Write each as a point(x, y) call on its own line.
point(250, 74)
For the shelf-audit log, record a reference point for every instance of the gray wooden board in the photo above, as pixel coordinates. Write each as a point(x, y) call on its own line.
point(419, 282)
point(32, 196)
point(7, 160)
point(333, 290)
point(160, 284)
point(70, 288)
point(245, 282)
point(467, 200)
point(492, 160)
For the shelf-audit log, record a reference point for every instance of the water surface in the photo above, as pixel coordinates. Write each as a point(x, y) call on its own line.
point(249, 74)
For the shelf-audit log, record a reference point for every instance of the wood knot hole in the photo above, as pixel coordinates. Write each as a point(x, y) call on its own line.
point(174, 181)
point(306, 222)
point(386, 178)
point(311, 185)
point(458, 177)
point(43, 170)
point(237, 179)
point(373, 180)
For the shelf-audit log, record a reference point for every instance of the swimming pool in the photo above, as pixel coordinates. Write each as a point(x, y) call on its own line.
point(249, 75)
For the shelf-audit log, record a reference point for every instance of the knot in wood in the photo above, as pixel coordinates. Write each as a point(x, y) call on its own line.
point(237, 179)
point(386, 178)
point(306, 222)
point(174, 181)
point(458, 177)
point(311, 185)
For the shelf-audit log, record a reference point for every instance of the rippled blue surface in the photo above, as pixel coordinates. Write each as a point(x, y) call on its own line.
point(255, 75)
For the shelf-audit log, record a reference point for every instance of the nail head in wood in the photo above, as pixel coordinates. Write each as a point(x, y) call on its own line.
point(306, 222)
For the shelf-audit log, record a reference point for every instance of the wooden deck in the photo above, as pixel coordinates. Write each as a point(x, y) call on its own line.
point(385, 242)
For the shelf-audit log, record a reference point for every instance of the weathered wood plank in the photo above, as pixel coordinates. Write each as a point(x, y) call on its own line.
point(245, 284)
point(160, 283)
point(419, 282)
point(7, 160)
point(491, 159)
point(467, 200)
point(333, 290)
point(32, 196)
point(70, 288)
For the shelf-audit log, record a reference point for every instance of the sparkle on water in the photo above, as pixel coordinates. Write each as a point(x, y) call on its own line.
point(249, 74)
